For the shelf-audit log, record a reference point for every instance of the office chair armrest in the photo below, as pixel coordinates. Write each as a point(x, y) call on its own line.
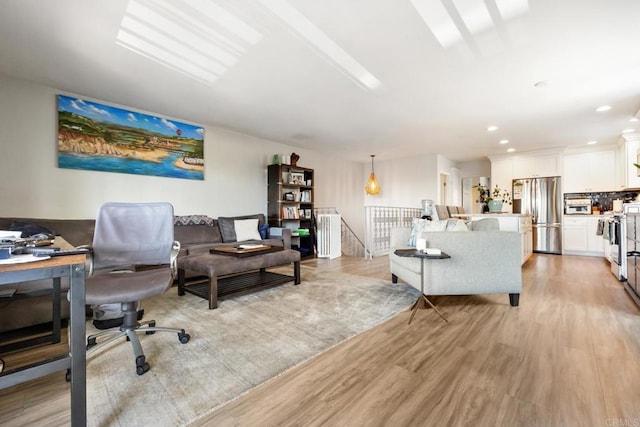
point(89, 261)
point(175, 249)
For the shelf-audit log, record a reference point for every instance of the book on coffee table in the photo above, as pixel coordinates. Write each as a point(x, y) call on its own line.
point(245, 249)
point(254, 246)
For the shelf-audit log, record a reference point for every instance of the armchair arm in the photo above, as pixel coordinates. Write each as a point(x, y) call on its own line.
point(281, 233)
point(89, 260)
point(175, 250)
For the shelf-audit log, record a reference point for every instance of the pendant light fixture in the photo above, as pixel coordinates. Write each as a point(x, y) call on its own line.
point(372, 186)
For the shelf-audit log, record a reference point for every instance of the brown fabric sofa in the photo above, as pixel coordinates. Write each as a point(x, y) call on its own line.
point(31, 305)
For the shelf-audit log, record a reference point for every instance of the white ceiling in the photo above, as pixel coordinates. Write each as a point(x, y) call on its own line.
point(417, 98)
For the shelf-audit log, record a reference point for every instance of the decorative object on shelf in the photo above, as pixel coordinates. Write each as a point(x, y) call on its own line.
point(296, 178)
point(372, 187)
point(294, 159)
point(494, 198)
point(276, 159)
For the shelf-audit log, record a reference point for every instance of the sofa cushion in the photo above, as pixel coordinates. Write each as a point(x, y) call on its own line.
point(195, 234)
point(227, 226)
point(246, 229)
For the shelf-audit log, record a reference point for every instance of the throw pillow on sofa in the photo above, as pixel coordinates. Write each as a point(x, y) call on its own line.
point(456, 225)
point(227, 226)
point(246, 229)
point(420, 225)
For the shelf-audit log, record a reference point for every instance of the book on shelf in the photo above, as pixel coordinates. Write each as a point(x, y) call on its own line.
point(290, 212)
point(305, 196)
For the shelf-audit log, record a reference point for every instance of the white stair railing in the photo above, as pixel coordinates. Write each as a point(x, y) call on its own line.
point(379, 220)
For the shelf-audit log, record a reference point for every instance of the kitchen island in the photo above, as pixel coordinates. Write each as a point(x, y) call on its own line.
point(513, 222)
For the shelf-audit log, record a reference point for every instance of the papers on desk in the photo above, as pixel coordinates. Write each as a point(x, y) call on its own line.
point(10, 235)
point(18, 259)
point(432, 251)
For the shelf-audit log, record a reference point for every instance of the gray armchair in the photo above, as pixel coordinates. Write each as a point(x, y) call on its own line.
point(133, 257)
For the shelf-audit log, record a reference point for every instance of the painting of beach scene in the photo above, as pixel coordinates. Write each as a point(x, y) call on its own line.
point(99, 137)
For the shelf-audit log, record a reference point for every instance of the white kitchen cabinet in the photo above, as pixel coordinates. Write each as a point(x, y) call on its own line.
point(536, 166)
point(518, 223)
point(595, 242)
point(588, 172)
point(579, 236)
point(526, 230)
point(631, 152)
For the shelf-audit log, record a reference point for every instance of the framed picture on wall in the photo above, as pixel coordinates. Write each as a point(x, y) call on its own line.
point(101, 137)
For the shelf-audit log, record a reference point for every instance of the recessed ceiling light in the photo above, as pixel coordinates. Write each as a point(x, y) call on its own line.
point(511, 150)
point(492, 128)
point(592, 142)
point(602, 108)
point(628, 130)
point(633, 119)
point(504, 141)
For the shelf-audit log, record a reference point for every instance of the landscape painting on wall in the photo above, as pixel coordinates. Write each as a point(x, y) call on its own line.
point(94, 136)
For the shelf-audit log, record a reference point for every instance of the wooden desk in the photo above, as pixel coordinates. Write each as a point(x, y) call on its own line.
point(72, 266)
point(56, 312)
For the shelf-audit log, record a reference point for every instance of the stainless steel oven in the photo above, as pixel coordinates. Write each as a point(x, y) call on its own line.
point(632, 250)
point(617, 238)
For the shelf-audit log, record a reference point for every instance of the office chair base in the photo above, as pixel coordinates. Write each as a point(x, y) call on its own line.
point(131, 334)
point(129, 329)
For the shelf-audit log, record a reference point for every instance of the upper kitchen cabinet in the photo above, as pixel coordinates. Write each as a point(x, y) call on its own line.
point(535, 166)
point(629, 150)
point(589, 172)
point(502, 173)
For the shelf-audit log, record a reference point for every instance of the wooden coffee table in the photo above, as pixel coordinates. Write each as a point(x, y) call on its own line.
point(229, 270)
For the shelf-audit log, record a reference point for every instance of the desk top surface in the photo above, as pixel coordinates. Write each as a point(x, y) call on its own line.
point(48, 262)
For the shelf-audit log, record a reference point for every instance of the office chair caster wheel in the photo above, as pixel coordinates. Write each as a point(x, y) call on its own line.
point(142, 369)
point(91, 342)
point(184, 338)
point(67, 376)
point(152, 324)
point(141, 366)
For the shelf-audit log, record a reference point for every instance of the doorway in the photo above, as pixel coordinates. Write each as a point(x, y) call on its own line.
point(444, 189)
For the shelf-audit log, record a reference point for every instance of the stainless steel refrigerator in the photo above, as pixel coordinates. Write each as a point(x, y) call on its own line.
point(542, 199)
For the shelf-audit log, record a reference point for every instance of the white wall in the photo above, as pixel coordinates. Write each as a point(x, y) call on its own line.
point(475, 168)
point(31, 184)
point(403, 182)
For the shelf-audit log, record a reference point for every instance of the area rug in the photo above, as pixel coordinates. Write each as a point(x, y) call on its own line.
point(245, 342)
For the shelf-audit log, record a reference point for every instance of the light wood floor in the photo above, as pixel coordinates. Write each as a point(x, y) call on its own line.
point(569, 355)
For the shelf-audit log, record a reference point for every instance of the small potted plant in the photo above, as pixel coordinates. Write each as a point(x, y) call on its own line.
point(494, 198)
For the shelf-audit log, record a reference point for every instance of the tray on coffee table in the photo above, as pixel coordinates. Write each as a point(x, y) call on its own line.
point(242, 251)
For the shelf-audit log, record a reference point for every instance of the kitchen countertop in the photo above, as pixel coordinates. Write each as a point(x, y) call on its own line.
point(503, 214)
